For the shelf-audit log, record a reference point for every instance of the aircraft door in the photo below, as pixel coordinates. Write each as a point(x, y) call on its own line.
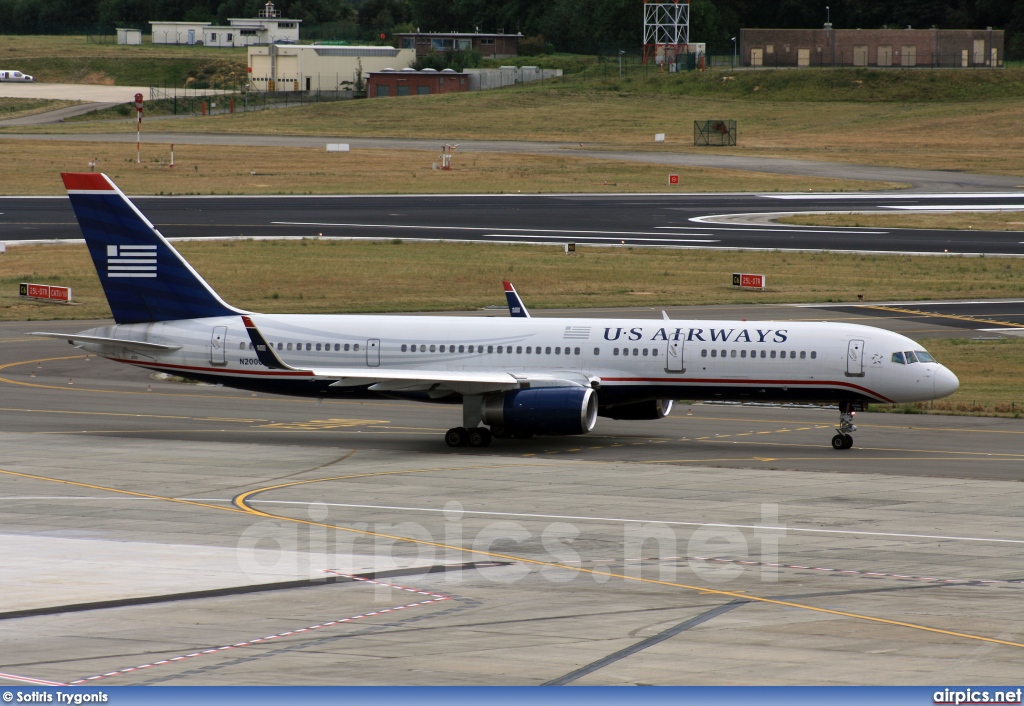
point(218, 345)
point(373, 352)
point(674, 357)
point(855, 359)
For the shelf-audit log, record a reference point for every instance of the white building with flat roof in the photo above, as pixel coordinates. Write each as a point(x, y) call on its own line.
point(264, 30)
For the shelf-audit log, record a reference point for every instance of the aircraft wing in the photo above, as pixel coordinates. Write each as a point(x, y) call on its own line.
point(74, 338)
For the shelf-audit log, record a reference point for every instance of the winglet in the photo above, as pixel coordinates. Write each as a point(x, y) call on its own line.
point(515, 304)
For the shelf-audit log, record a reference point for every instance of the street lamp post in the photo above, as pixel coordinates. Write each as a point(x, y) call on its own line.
point(621, 52)
point(734, 52)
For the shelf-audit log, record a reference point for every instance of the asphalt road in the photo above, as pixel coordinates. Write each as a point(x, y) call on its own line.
point(725, 220)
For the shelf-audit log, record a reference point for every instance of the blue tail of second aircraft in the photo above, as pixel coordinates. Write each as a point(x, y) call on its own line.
point(143, 276)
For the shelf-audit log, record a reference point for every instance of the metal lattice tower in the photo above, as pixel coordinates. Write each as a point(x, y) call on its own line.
point(666, 29)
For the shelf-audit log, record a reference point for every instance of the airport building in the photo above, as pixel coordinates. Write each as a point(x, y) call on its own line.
point(409, 82)
point(490, 46)
point(935, 48)
point(316, 67)
point(266, 29)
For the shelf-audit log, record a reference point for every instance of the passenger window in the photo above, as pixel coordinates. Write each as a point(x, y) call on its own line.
point(814, 354)
point(337, 347)
point(732, 354)
point(723, 353)
point(763, 354)
point(309, 346)
point(462, 349)
point(924, 357)
point(318, 346)
point(355, 347)
point(911, 358)
point(347, 347)
point(803, 355)
point(654, 352)
point(241, 345)
point(597, 351)
point(404, 348)
point(539, 351)
point(897, 357)
point(289, 346)
point(645, 351)
point(519, 349)
point(704, 353)
point(529, 349)
point(714, 352)
point(773, 354)
point(432, 347)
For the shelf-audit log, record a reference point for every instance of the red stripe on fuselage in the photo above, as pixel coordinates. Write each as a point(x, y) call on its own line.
point(747, 383)
point(221, 371)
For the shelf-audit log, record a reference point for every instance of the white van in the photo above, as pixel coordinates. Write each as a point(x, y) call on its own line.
point(15, 76)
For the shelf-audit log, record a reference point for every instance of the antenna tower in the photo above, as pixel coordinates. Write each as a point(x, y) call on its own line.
point(666, 30)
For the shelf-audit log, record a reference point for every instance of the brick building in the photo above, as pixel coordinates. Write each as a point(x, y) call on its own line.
point(961, 48)
point(495, 46)
point(415, 83)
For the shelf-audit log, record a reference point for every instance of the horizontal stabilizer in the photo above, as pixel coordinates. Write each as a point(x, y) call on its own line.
point(74, 338)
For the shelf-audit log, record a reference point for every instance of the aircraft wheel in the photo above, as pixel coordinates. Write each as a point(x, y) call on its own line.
point(479, 437)
point(849, 441)
point(499, 432)
point(457, 436)
point(839, 442)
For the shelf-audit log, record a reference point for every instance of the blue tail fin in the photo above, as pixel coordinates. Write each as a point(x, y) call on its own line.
point(144, 278)
point(516, 308)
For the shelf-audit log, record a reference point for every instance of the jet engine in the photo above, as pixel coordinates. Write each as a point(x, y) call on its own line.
point(541, 410)
point(649, 409)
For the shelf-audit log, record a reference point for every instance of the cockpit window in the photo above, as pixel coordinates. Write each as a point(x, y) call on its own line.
point(924, 357)
point(911, 358)
point(897, 357)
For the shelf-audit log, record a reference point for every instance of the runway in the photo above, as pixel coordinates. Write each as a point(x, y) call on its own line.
point(166, 533)
point(713, 221)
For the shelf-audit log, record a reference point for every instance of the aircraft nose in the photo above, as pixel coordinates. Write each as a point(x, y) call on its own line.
point(946, 383)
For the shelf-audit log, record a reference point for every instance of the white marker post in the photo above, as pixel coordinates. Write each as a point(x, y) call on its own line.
point(138, 129)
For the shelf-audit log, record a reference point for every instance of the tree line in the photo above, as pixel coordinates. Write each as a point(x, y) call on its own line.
point(579, 26)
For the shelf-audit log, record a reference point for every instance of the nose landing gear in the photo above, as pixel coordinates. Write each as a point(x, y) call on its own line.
point(842, 440)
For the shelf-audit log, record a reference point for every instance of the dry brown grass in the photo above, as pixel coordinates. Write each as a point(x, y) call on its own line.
point(1002, 220)
point(204, 169)
point(926, 135)
point(323, 276)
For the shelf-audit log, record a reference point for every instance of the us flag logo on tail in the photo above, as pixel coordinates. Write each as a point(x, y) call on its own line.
point(131, 261)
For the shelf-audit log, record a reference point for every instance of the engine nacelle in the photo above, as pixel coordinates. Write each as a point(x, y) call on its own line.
point(649, 409)
point(543, 410)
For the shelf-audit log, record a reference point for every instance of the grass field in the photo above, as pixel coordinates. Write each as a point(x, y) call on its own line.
point(21, 107)
point(278, 276)
point(332, 276)
point(72, 59)
point(202, 169)
point(921, 134)
point(1003, 220)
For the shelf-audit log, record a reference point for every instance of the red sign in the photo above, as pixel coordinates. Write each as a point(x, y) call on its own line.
point(746, 281)
point(45, 291)
point(673, 178)
point(138, 102)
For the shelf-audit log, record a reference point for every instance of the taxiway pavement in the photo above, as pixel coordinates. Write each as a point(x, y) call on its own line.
point(165, 533)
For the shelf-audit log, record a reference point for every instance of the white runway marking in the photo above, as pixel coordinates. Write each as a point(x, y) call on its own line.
point(665, 522)
point(906, 197)
point(769, 228)
point(594, 237)
point(626, 233)
point(972, 208)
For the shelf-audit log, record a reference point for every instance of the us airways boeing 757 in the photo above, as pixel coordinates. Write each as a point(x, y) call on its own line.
point(513, 377)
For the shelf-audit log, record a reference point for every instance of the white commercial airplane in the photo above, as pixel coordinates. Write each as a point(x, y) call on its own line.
point(514, 377)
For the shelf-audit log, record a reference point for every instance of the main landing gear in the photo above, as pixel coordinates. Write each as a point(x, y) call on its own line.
point(842, 440)
point(461, 436)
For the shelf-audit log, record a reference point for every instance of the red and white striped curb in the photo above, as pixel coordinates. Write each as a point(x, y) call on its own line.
point(433, 598)
point(31, 680)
